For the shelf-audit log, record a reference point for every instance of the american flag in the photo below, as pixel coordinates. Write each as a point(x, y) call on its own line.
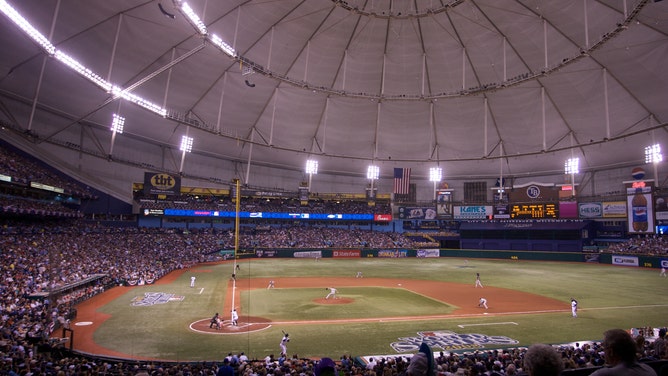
point(402, 181)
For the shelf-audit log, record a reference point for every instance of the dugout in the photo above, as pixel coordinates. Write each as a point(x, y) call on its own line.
point(551, 236)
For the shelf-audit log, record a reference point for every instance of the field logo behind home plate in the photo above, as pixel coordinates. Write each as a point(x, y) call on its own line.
point(449, 340)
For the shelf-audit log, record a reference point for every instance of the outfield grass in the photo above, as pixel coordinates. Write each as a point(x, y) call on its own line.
point(608, 297)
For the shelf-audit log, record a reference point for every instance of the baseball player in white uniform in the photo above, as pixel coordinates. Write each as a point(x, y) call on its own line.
point(478, 283)
point(482, 303)
point(574, 307)
point(235, 317)
point(192, 281)
point(332, 293)
point(284, 343)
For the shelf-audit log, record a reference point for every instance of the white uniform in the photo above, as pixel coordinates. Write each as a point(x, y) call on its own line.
point(482, 303)
point(574, 307)
point(478, 283)
point(271, 284)
point(192, 281)
point(663, 272)
point(359, 275)
point(332, 293)
point(284, 344)
point(235, 317)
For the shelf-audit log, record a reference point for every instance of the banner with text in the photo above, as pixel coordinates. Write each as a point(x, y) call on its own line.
point(473, 212)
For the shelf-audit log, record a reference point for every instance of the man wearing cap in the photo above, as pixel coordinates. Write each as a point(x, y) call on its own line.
point(332, 293)
point(284, 343)
point(574, 307)
point(325, 367)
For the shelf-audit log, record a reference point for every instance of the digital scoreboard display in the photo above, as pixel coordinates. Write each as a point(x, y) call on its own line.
point(534, 211)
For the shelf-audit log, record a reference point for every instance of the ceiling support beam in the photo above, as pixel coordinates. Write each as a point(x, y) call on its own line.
point(41, 71)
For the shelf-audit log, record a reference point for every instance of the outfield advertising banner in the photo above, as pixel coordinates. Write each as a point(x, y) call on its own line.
point(624, 260)
point(444, 203)
point(614, 209)
point(347, 253)
point(417, 212)
point(590, 210)
point(640, 210)
point(266, 253)
point(661, 208)
point(473, 212)
point(391, 253)
point(308, 254)
point(161, 184)
point(428, 253)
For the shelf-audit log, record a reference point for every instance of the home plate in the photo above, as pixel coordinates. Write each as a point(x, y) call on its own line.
point(485, 313)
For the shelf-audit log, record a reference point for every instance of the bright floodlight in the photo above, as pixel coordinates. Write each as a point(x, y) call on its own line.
point(312, 167)
point(186, 144)
point(27, 27)
point(193, 18)
point(372, 172)
point(653, 154)
point(435, 174)
point(117, 124)
point(220, 43)
point(572, 166)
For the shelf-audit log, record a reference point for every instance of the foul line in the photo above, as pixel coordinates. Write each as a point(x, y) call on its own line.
point(201, 290)
point(489, 323)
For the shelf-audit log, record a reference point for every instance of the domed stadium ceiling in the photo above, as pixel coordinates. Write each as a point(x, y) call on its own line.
point(477, 87)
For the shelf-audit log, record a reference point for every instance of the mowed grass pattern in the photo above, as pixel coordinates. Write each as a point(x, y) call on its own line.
point(609, 297)
point(299, 304)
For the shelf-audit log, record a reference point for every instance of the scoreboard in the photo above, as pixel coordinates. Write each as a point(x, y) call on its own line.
point(534, 211)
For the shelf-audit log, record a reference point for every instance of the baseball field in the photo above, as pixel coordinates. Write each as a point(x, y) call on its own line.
point(397, 304)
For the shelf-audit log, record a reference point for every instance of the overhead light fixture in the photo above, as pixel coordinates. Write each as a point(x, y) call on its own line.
point(435, 174)
point(572, 166)
point(222, 45)
point(117, 124)
point(653, 154)
point(22, 23)
point(82, 70)
point(193, 18)
point(186, 144)
point(373, 172)
point(139, 101)
point(312, 167)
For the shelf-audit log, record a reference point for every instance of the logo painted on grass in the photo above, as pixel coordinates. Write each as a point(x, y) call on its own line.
point(448, 340)
point(152, 298)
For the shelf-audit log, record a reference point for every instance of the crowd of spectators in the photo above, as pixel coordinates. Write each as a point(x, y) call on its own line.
point(277, 205)
point(24, 170)
point(15, 205)
point(654, 245)
point(322, 237)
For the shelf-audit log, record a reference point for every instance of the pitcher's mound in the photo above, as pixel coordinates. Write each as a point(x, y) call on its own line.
point(334, 301)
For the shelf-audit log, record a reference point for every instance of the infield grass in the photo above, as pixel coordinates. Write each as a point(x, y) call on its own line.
point(609, 297)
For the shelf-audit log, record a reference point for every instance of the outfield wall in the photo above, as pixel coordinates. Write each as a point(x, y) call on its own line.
point(593, 257)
